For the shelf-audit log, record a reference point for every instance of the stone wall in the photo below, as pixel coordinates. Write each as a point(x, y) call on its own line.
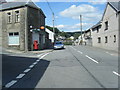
point(28, 17)
point(13, 27)
point(35, 19)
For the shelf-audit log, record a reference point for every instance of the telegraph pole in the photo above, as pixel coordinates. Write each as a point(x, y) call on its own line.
point(53, 25)
point(53, 19)
point(81, 27)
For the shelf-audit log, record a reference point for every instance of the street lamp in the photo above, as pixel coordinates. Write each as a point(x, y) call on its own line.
point(36, 29)
point(31, 26)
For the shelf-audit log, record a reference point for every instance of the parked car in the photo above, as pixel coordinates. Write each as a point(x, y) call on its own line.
point(58, 45)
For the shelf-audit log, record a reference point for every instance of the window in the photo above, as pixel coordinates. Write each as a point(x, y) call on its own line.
point(10, 34)
point(17, 16)
point(97, 29)
point(106, 39)
point(114, 38)
point(9, 17)
point(106, 25)
point(16, 33)
point(99, 39)
point(13, 38)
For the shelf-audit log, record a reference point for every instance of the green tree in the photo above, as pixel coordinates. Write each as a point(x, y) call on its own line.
point(76, 35)
point(57, 31)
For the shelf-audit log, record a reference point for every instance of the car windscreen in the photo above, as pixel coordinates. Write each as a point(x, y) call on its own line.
point(58, 43)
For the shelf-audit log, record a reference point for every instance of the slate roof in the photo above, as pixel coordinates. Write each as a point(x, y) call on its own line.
point(115, 5)
point(2, 1)
point(17, 3)
point(98, 24)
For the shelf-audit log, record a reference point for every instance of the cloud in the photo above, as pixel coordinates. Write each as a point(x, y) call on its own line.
point(60, 26)
point(75, 27)
point(9, 0)
point(74, 30)
point(94, 2)
point(84, 25)
point(88, 12)
point(74, 10)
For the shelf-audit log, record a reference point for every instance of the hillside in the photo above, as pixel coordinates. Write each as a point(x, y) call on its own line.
point(64, 34)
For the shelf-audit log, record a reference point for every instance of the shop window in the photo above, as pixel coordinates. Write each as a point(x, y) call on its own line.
point(13, 38)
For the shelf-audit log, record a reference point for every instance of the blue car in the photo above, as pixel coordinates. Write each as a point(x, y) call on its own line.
point(58, 45)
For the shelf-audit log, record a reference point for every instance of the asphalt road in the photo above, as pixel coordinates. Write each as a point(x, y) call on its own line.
point(14, 67)
point(72, 67)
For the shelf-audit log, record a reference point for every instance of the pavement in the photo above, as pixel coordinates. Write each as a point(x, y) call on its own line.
point(23, 53)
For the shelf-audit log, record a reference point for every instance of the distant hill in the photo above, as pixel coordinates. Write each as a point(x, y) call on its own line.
point(65, 34)
point(72, 33)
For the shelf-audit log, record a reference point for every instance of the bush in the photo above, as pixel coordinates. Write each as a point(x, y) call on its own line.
point(67, 43)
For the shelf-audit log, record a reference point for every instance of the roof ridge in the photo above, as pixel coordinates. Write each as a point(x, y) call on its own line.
point(116, 8)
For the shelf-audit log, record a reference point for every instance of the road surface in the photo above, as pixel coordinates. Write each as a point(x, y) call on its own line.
point(72, 67)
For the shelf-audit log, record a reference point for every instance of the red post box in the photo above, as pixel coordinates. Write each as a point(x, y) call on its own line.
point(35, 45)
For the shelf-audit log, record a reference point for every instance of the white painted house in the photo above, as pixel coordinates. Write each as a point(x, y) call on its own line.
point(72, 38)
point(105, 34)
point(51, 35)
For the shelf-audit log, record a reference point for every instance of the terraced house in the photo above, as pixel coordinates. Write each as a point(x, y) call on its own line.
point(105, 34)
point(21, 22)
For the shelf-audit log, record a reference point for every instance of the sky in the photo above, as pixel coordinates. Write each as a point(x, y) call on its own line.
point(67, 14)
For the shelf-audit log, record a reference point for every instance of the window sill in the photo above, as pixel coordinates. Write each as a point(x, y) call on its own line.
point(13, 45)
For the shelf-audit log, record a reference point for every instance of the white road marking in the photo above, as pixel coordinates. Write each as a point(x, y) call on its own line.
point(116, 73)
point(37, 60)
point(35, 63)
point(20, 76)
point(27, 70)
point(31, 66)
point(10, 83)
point(91, 59)
point(80, 52)
point(44, 55)
point(110, 54)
